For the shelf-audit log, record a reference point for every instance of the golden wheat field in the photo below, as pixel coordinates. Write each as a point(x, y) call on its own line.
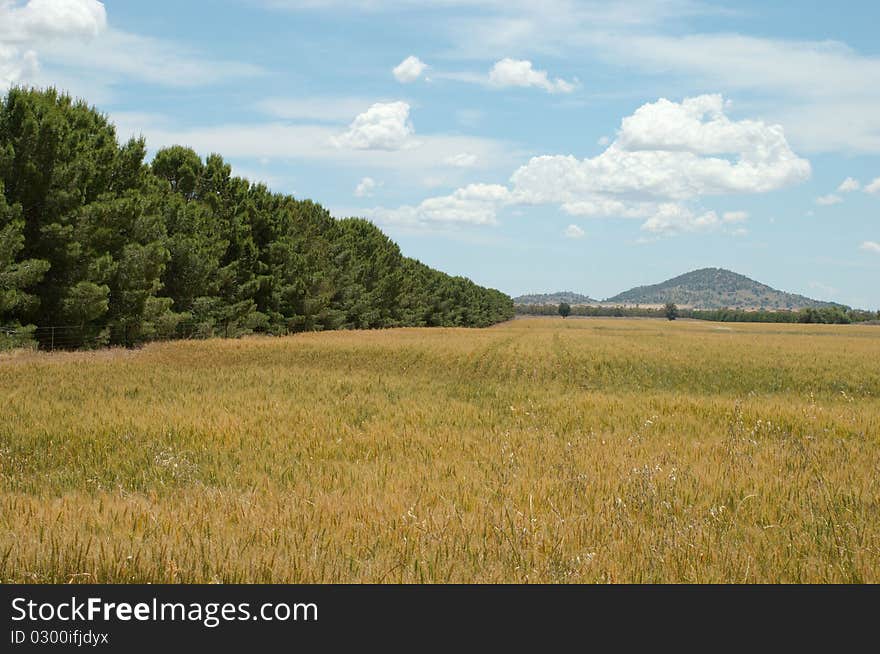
point(541, 450)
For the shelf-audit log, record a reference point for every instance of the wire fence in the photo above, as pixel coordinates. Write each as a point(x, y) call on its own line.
point(84, 337)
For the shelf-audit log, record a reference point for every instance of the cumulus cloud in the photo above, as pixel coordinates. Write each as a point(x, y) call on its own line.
point(600, 206)
point(672, 150)
point(828, 200)
point(365, 187)
point(409, 70)
point(519, 72)
point(873, 187)
point(461, 160)
point(574, 232)
point(671, 218)
point(871, 246)
point(476, 204)
point(16, 65)
point(69, 43)
point(51, 18)
point(384, 126)
point(849, 185)
point(23, 27)
point(698, 125)
point(823, 91)
point(667, 156)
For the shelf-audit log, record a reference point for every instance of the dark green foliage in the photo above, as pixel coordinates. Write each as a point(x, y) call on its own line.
point(17, 276)
point(568, 297)
point(825, 315)
point(831, 315)
point(670, 311)
point(370, 280)
point(114, 250)
point(564, 309)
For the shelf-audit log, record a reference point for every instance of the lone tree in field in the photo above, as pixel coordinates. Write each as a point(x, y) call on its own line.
point(671, 311)
point(565, 310)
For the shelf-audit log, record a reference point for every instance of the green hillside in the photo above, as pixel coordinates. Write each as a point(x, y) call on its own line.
point(716, 288)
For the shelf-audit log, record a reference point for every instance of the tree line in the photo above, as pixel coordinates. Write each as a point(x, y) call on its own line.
point(116, 250)
point(824, 315)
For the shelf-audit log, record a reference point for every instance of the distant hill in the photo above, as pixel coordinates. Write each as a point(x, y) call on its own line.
point(716, 288)
point(555, 298)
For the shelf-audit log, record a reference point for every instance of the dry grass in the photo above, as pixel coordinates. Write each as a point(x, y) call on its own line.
point(536, 451)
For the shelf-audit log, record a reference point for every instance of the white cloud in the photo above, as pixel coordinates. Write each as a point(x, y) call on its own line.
point(519, 72)
point(601, 206)
point(870, 246)
point(51, 19)
point(468, 77)
point(365, 187)
point(742, 61)
point(304, 142)
point(24, 27)
point(574, 232)
point(120, 56)
point(16, 65)
point(666, 157)
point(849, 185)
point(731, 217)
point(571, 16)
point(461, 160)
point(384, 126)
point(823, 91)
point(69, 43)
point(671, 218)
point(697, 125)
point(828, 200)
point(873, 187)
point(664, 151)
point(409, 70)
point(519, 27)
point(476, 204)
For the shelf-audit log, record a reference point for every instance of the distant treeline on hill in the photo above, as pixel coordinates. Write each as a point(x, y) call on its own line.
point(113, 250)
point(826, 315)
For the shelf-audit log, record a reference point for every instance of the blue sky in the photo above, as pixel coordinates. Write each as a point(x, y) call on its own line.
point(586, 146)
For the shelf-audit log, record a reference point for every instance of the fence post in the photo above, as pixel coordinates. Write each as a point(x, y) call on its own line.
point(53, 339)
